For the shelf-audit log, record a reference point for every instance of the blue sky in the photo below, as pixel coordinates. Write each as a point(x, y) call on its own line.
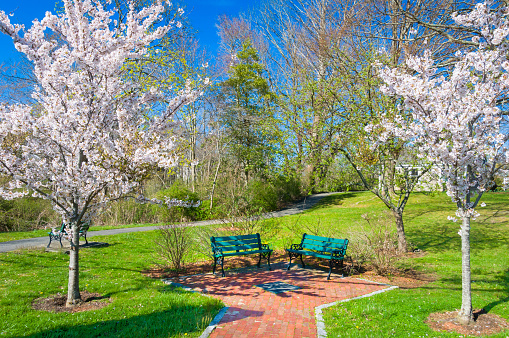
point(202, 13)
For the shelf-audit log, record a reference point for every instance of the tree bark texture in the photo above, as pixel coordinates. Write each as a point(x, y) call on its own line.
point(73, 293)
point(465, 315)
point(400, 229)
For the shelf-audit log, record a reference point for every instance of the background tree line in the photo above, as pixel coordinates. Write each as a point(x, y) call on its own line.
point(293, 88)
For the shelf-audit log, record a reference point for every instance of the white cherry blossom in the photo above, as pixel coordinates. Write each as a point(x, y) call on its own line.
point(90, 139)
point(455, 120)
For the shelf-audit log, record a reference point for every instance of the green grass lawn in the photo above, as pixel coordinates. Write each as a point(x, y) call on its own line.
point(401, 313)
point(146, 307)
point(15, 235)
point(141, 306)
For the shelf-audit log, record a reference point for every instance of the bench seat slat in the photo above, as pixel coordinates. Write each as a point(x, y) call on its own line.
point(239, 247)
point(323, 243)
point(324, 239)
point(245, 252)
point(324, 248)
point(312, 253)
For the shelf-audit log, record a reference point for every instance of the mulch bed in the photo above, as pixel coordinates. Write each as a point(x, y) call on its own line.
point(56, 303)
point(484, 323)
point(404, 279)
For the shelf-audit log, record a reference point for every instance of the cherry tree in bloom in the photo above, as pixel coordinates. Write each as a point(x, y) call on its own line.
point(91, 138)
point(455, 120)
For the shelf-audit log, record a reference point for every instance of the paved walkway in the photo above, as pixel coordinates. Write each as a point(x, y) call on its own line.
point(36, 242)
point(254, 312)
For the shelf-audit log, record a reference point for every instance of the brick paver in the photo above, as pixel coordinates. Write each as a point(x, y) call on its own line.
point(254, 312)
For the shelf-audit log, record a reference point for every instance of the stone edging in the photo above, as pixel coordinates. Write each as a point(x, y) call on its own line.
point(214, 322)
point(320, 324)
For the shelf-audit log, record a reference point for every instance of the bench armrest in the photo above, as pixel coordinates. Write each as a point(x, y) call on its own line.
point(217, 251)
point(338, 254)
point(265, 247)
point(55, 232)
point(296, 247)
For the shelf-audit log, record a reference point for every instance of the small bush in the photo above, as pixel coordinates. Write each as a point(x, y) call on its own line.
point(375, 244)
point(173, 245)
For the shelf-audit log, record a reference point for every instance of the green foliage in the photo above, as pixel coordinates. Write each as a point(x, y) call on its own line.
point(26, 214)
point(180, 191)
point(128, 212)
point(261, 196)
point(248, 116)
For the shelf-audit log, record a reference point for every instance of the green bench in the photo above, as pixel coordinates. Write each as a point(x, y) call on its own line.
point(332, 249)
point(237, 246)
point(57, 234)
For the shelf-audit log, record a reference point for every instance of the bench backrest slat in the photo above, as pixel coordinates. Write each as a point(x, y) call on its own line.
point(324, 239)
point(239, 247)
point(235, 243)
point(323, 244)
point(84, 226)
point(323, 248)
point(233, 238)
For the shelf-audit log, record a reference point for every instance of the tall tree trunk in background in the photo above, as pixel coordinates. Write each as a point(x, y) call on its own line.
point(73, 292)
point(317, 103)
point(214, 184)
point(465, 315)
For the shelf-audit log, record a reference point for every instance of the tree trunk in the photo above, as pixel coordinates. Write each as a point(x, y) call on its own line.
point(400, 228)
point(465, 315)
point(214, 184)
point(73, 292)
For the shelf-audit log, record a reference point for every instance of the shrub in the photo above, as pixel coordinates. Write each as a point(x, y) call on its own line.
point(261, 196)
point(173, 245)
point(128, 212)
point(375, 244)
point(180, 191)
point(288, 189)
point(27, 213)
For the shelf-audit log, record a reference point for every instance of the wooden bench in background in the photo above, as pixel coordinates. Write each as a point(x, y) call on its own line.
point(238, 246)
point(333, 249)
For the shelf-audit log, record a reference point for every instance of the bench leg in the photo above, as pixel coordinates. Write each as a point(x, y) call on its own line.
point(335, 263)
point(49, 241)
point(268, 260)
point(259, 260)
point(302, 261)
point(289, 264)
point(222, 268)
point(86, 240)
point(214, 266)
point(330, 269)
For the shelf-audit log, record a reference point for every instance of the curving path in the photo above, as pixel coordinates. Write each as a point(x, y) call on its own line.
point(293, 308)
point(38, 242)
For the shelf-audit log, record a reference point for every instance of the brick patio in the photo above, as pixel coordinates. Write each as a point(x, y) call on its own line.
point(254, 312)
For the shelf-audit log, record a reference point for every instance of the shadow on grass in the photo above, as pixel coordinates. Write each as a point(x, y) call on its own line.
point(333, 200)
point(175, 321)
point(441, 237)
